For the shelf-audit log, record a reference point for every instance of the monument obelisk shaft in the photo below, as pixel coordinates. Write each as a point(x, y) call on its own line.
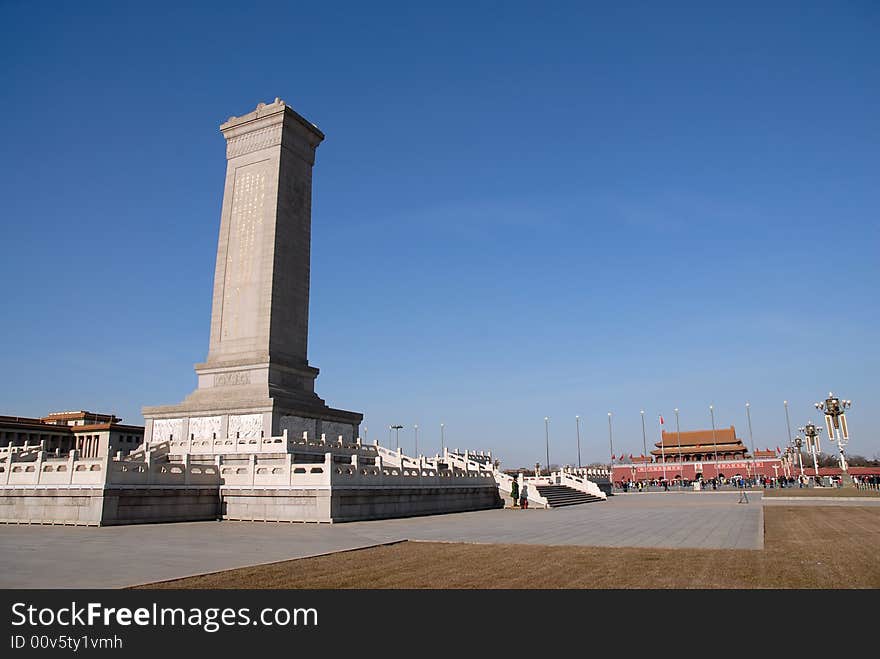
point(256, 377)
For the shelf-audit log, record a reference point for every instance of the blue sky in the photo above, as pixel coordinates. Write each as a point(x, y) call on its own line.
point(520, 210)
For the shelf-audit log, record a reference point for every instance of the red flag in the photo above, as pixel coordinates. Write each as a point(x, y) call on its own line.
point(661, 419)
point(612, 456)
point(777, 450)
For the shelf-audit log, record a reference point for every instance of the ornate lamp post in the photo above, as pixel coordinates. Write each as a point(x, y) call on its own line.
point(798, 443)
point(577, 421)
point(835, 420)
point(811, 431)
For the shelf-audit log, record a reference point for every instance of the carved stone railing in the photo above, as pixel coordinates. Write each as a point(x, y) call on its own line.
point(42, 470)
point(581, 484)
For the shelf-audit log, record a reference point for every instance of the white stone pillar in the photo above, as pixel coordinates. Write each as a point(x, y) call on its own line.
point(41, 455)
point(8, 467)
point(71, 464)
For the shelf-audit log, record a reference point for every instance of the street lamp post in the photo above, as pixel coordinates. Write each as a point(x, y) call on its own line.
point(680, 460)
point(798, 442)
point(611, 445)
point(547, 441)
point(752, 441)
point(811, 432)
point(416, 427)
point(835, 420)
point(577, 421)
point(788, 423)
point(645, 446)
point(442, 437)
point(397, 429)
point(714, 442)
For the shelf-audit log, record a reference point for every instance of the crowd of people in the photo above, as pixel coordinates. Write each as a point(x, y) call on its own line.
point(867, 482)
point(861, 482)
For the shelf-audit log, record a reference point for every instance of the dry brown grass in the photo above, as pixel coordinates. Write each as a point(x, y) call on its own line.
point(805, 547)
point(822, 492)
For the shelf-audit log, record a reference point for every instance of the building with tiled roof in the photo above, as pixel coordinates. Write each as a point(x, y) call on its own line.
point(698, 445)
point(91, 434)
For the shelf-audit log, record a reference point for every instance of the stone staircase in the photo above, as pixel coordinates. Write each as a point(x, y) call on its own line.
point(562, 495)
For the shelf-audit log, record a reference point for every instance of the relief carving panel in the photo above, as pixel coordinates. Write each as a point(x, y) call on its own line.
point(246, 426)
point(165, 429)
point(204, 427)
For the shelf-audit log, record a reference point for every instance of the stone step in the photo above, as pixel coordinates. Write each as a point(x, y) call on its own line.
point(561, 495)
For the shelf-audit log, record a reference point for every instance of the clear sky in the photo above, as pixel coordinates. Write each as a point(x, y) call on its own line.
point(520, 210)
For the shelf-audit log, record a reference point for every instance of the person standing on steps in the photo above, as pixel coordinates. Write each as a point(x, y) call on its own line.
point(514, 492)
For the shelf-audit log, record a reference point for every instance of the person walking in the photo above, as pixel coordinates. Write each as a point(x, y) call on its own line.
point(524, 497)
point(514, 492)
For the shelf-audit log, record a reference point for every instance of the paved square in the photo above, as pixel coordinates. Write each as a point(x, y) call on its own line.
point(112, 557)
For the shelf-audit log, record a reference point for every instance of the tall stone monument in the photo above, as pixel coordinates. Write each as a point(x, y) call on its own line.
point(257, 381)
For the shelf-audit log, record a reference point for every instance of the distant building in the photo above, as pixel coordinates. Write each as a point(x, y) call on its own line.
point(699, 445)
point(90, 433)
point(692, 454)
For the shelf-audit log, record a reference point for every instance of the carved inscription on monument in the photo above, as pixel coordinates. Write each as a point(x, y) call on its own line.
point(241, 286)
point(229, 379)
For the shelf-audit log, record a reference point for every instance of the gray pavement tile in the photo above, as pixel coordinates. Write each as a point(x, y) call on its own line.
point(112, 557)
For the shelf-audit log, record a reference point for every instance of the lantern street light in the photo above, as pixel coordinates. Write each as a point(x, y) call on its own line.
point(442, 437)
point(835, 420)
point(798, 443)
point(577, 420)
point(811, 431)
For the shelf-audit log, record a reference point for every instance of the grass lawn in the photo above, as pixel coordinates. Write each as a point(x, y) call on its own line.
point(804, 547)
point(821, 492)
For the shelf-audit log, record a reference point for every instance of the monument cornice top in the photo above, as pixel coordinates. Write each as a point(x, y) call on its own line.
point(265, 111)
